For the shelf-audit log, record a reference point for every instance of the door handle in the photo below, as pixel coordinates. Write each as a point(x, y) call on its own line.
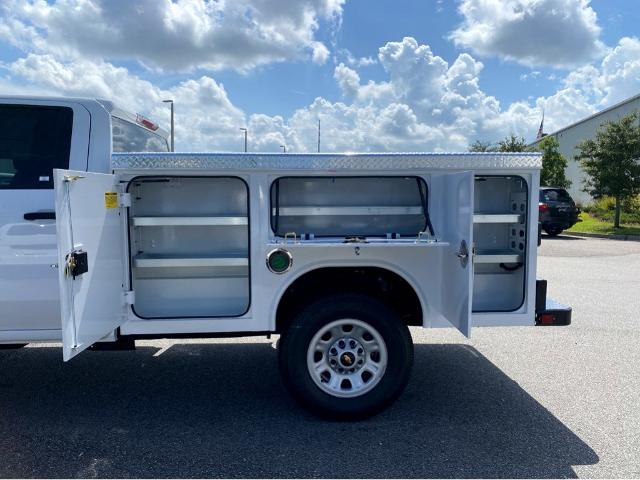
point(43, 215)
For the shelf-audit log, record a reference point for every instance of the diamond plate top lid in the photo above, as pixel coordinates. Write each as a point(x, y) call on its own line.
point(326, 161)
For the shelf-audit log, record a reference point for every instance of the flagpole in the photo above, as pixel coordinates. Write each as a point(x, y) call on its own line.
point(541, 129)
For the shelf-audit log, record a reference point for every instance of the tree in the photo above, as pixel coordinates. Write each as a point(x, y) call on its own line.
point(480, 146)
point(611, 161)
point(512, 143)
point(553, 164)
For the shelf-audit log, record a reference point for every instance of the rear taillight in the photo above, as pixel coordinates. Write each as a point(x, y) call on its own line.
point(543, 207)
point(546, 319)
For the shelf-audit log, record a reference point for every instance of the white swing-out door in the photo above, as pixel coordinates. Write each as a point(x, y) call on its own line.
point(88, 218)
point(457, 271)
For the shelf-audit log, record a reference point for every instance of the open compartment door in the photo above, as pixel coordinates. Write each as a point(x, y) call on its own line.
point(90, 258)
point(457, 271)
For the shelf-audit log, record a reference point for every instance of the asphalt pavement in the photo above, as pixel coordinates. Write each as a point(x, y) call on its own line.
point(511, 402)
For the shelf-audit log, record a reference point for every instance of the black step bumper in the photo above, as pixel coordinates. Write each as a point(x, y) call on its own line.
point(548, 311)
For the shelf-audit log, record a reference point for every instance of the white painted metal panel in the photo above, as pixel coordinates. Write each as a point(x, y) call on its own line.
point(92, 304)
point(457, 269)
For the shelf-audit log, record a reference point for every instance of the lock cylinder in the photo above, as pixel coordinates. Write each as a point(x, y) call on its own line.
point(77, 263)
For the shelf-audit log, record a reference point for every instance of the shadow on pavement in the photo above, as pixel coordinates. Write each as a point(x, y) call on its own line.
point(219, 410)
point(561, 237)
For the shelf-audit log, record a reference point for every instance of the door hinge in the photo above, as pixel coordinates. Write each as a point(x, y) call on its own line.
point(129, 297)
point(124, 200)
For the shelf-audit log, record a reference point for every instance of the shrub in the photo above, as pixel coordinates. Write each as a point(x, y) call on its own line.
point(610, 160)
point(604, 208)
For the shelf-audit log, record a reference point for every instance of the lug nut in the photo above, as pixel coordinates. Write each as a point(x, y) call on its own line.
point(352, 344)
point(333, 351)
point(341, 344)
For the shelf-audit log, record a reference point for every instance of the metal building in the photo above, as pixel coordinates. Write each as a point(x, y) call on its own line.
point(568, 137)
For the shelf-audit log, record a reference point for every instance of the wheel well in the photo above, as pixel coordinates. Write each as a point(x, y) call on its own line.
point(378, 282)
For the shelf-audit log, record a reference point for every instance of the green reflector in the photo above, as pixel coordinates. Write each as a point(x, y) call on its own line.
point(279, 261)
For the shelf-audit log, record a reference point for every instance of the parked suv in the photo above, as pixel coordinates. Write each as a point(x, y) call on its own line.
point(557, 210)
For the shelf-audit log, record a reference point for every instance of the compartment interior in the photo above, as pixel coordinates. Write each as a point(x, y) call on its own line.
point(189, 239)
point(189, 236)
point(500, 236)
point(349, 206)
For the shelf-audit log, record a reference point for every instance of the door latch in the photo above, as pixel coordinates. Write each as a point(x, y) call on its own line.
point(76, 263)
point(463, 254)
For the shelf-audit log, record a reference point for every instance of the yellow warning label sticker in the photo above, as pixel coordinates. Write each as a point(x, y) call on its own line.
point(111, 199)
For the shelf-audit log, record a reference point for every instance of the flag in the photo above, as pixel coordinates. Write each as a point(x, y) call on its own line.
point(540, 130)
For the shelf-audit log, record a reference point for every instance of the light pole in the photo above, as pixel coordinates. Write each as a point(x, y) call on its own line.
point(284, 148)
point(173, 148)
point(245, 138)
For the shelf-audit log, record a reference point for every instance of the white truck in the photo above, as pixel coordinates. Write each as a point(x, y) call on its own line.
point(337, 253)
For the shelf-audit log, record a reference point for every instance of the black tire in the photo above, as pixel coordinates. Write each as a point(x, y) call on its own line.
point(553, 231)
point(295, 341)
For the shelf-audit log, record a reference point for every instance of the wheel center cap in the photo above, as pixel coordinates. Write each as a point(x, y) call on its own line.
point(347, 359)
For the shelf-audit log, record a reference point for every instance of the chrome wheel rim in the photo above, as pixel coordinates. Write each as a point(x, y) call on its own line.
point(347, 358)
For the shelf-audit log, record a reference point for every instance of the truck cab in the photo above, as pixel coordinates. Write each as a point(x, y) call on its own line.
point(38, 134)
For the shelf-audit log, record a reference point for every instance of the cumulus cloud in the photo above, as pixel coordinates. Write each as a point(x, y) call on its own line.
point(320, 53)
point(176, 35)
point(621, 70)
point(428, 103)
point(348, 79)
point(417, 75)
point(425, 103)
point(560, 33)
point(353, 61)
point(205, 117)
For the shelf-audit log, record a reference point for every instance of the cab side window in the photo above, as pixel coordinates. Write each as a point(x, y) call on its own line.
point(34, 140)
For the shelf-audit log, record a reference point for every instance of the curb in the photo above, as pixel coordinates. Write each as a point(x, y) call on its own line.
point(630, 238)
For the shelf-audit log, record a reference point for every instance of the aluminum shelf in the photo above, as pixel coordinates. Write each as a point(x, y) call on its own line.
point(188, 221)
point(496, 218)
point(159, 261)
point(350, 211)
point(497, 256)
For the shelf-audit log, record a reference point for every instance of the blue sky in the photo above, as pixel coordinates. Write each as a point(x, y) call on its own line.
point(381, 75)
